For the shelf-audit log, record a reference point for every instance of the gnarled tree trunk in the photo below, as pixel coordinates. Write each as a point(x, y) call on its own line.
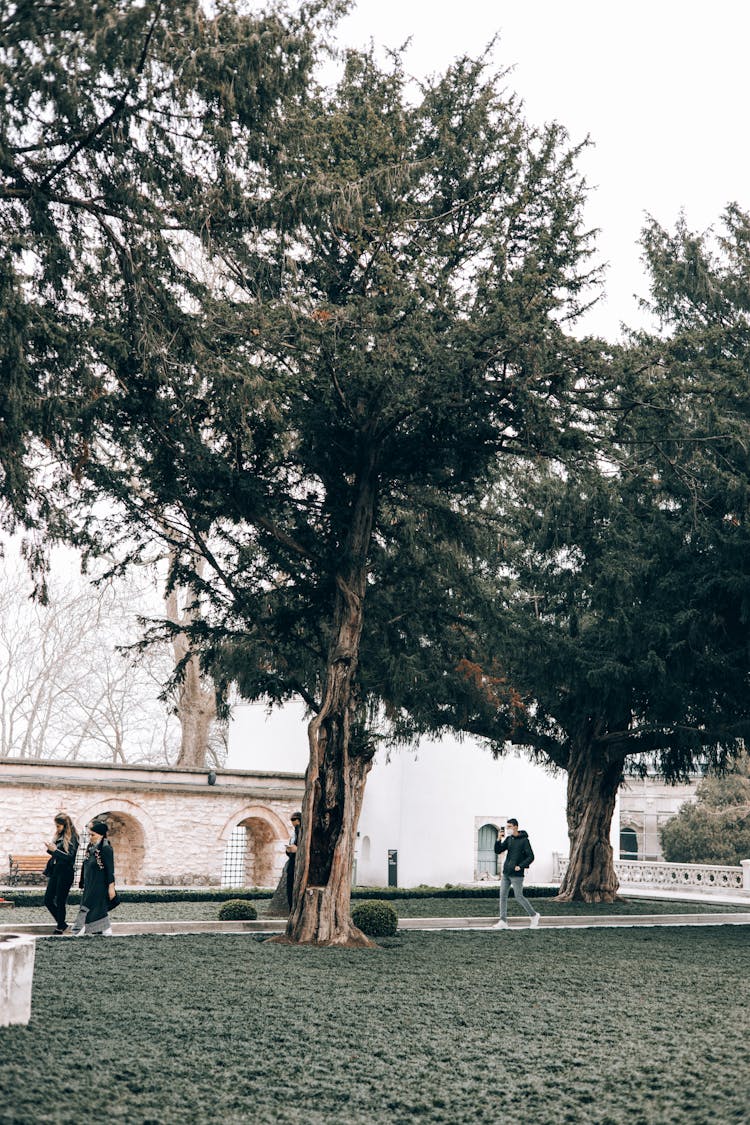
point(594, 776)
point(338, 766)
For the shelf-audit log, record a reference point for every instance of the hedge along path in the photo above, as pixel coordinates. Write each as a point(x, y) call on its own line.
point(274, 928)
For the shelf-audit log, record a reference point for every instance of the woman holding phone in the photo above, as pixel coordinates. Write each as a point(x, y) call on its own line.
point(59, 870)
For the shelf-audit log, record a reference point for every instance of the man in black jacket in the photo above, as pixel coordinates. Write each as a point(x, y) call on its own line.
point(519, 858)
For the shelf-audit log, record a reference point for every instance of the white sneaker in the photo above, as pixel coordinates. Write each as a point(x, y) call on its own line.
point(79, 933)
point(501, 925)
point(535, 921)
point(108, 931)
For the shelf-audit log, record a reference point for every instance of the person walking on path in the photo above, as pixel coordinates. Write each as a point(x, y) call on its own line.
point(62, 850)
point(98, 882)
point(520, 856)
point(291, 851)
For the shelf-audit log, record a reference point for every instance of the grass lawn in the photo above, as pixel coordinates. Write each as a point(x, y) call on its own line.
point(406, 908)
point(602, 1027)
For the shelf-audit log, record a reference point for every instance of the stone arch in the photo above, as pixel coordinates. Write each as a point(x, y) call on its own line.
point(281, 828)
point(253, 847)
point(125, 822)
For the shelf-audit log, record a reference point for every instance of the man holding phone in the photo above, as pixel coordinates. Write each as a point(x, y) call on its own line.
point(519, 857)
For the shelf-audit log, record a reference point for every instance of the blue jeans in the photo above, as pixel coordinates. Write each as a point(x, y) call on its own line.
point(516, 882)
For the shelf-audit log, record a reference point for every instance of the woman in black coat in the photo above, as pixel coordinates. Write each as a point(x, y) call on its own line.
point(59, 870)
point(98, 882)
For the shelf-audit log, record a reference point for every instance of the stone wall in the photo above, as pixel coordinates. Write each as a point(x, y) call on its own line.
point(167, 826)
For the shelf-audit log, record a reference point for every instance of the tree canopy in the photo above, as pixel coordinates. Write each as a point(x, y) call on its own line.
point(617, 602)
point(314, 342)
point(117, 126)
point(327, 317)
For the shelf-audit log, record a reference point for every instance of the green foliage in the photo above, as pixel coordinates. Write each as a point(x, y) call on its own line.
point(117, 123)
point(388, 282)
point(604, 617)
point(24, 897)
point(376, 918)
point(716, 829)
point(237, 910)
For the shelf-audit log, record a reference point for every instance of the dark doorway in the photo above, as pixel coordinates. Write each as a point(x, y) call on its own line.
point(628, 844)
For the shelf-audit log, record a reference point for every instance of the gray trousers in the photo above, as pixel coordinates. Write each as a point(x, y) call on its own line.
point(516, 882)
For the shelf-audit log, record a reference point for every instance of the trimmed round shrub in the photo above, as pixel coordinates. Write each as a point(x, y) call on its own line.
point(375, 918)
point(237, 910)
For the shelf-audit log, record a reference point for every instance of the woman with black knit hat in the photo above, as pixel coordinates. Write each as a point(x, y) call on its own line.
point(98, 882)
point(60, 867)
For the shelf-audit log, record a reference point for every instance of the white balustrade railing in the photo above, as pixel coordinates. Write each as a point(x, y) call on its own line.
point(673, 876)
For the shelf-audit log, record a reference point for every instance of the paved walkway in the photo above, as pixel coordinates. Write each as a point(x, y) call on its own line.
point(277, 925)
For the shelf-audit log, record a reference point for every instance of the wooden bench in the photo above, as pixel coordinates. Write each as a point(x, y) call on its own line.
point(26, 869)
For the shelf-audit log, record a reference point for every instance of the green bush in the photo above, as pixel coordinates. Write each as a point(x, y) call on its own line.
point(375, 918)
point(237, 910)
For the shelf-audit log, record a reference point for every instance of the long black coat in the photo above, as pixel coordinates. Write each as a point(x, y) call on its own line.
point(61, 864)
point(97, 873)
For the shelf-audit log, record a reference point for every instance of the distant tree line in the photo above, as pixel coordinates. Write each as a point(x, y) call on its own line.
point(716, 827)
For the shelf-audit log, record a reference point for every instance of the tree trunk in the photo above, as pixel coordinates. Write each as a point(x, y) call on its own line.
point(337, 769)
point(196, 711)
point(196, 699)
point(594, 778)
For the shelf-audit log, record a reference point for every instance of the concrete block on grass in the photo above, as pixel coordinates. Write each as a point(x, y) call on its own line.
point(16, 978)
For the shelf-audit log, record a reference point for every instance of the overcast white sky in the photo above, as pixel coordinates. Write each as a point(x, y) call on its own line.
point(661, 87)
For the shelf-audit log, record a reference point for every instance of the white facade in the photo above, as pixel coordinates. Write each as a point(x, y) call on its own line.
point(426, 805)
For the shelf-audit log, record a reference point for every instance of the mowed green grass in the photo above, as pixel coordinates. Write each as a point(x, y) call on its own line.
point(600, 1027)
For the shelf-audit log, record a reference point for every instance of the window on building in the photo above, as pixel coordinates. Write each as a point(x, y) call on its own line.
point(486, 858)
point(628, 843)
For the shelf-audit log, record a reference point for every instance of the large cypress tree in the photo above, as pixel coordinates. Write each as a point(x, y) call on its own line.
point(618, 606)
point(383, 321)
point(268, 324)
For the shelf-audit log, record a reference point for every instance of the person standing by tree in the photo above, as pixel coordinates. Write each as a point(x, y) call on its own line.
point(291, 851)
point(98, 882)
point(520, 856)
point(59, 870)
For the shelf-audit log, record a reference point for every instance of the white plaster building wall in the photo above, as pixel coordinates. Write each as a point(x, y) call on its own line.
point(436, 800)
point(426, 805)
point(380, 819)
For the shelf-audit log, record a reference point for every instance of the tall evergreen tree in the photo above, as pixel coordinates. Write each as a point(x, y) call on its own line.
point(370, 328)
point(618, 606)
